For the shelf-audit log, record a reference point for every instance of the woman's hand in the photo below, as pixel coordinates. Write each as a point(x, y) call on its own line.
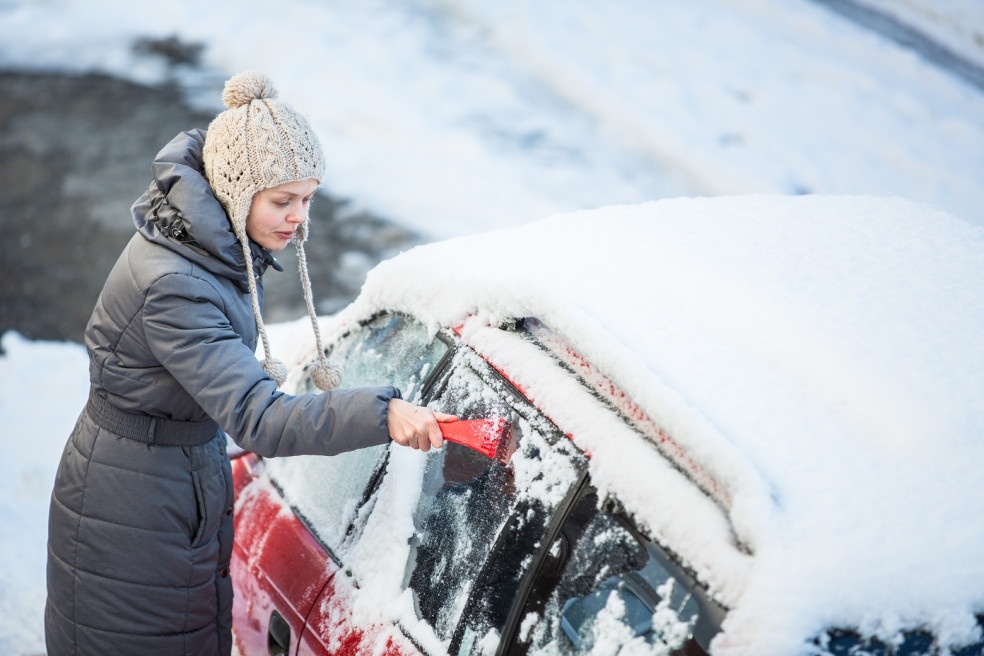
point(415, 426)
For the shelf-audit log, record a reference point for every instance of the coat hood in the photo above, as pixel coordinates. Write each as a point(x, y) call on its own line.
point(181, 213)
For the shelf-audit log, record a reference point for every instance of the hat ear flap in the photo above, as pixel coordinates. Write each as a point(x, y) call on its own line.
point(239, 217)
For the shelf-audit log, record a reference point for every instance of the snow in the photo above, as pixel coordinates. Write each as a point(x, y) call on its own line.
point(460, 116)
point(43, 386)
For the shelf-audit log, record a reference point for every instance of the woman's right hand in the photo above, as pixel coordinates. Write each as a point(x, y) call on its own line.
point(415, 426)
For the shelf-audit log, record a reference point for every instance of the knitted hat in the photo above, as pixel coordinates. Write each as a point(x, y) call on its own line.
point(257, 143)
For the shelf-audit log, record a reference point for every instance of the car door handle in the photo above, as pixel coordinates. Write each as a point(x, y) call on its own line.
point(278, 640)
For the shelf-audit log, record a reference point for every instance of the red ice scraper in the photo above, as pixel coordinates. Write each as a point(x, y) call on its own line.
point(492, 437)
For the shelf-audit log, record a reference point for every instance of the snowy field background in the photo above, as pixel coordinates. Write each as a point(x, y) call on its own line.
point(460, 116)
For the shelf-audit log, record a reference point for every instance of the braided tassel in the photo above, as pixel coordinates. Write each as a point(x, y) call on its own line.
point(275, 368)
point(324, 374)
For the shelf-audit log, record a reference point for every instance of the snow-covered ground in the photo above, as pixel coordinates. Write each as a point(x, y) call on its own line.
point(954, 24)
point(457, 116)
point(43, 386)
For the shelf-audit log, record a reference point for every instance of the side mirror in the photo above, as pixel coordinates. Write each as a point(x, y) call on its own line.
point(493, 437)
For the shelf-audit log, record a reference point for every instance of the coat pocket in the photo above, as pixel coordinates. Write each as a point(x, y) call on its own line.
point(210, 497)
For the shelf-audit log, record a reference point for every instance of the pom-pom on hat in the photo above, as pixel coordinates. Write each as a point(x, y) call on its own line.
point(260, 142)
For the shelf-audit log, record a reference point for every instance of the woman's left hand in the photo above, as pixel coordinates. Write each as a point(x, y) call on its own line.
point(415, 426)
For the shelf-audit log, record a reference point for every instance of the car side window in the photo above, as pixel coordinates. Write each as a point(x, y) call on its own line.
point(326, 492)
point(392, 349)
point(474, 511)
point(606, 583)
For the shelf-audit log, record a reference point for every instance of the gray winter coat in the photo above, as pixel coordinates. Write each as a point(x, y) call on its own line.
point(140, 526)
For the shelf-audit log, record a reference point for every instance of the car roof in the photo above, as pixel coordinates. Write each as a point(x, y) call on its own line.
point(821, 356)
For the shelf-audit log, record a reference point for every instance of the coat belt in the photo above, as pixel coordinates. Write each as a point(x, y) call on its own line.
point(152, 430)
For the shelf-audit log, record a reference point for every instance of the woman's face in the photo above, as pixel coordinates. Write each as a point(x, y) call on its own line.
point(276, 213)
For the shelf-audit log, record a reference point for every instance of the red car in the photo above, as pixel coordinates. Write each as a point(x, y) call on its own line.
point(618, 495)
point(479, 544)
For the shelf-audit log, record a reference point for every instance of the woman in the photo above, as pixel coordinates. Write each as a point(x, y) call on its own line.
point(140, 526)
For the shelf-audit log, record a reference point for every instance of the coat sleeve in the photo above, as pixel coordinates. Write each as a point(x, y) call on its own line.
point(192, 337)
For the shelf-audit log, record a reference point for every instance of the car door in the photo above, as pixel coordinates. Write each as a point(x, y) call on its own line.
point(604, 582)
point(523, 557)
point(480, 522)
point(278, 568)
point(283, 561)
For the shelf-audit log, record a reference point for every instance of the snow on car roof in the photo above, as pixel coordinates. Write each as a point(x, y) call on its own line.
point(821, 355)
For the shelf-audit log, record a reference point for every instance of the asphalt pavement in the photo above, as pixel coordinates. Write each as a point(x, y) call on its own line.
point(910, 37)
point(75, 152)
